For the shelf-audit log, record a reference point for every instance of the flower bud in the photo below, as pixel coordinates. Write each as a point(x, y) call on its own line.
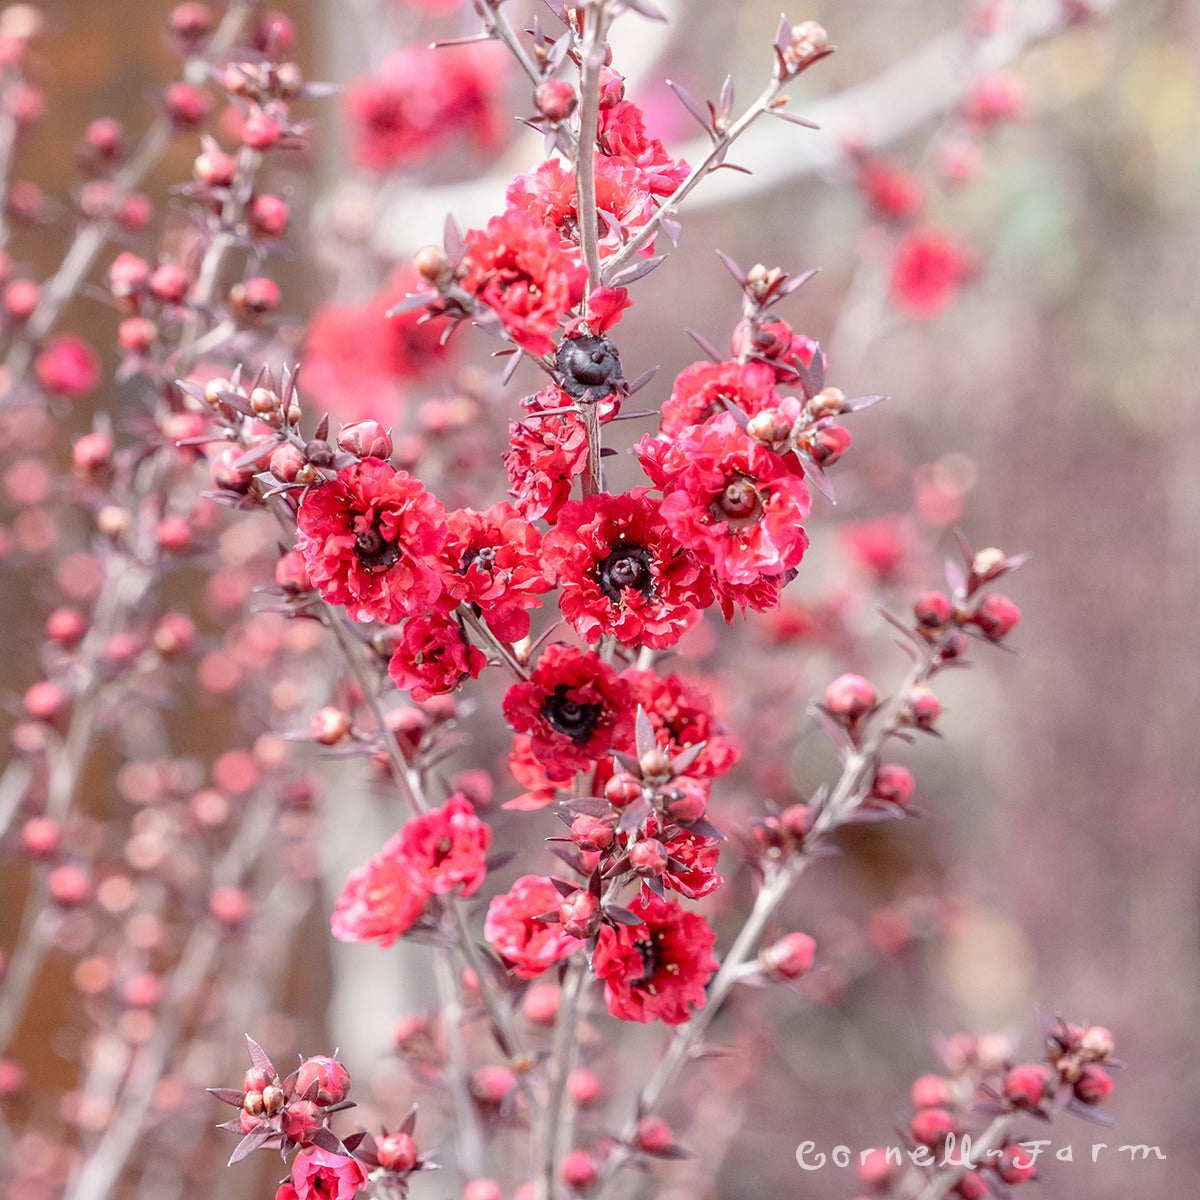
point(932, 1091)
point(995, 616)
point(585, 1087)
point(931, 1125)
point(268, 216)
point(186, 105)
point(255, 297)
point(579, 1170)
point(590, 833)
point(648, 858)
point(169, 283)
point(430, 263)
point(300, 1119)
point(921, 708)
point(329, 726)
point(492, 1085)
point(1096, 1043)
point(933, 610)
point(850, 698)
point(653, 1135)
point(40, 837)
point(789, 958)
point(829, 444)
point(797, 821)
point(365, 439)
point(1093, 1085)
point(1027, 1086)
point(396, 1152)
point(769, 426)
point(1016, 1163)
point(331, 1079)
point(555, 99)
point(580, 914)
point(622, 789)
point(893, 784)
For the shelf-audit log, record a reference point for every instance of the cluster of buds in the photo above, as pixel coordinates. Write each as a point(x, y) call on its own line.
point(980, 1079)
point(288, 1113)
point(293, 1114)
point(947, 619)
point(806, 426)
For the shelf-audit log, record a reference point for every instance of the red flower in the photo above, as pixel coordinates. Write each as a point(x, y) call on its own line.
point(545, 455)
point(893, 192)
point(691, 868)
point(528, 772)
point(622, 573)
point(380, 900)
point(322, 1175)
point(518, 269)
point(682, 716)
point(445, 847)
point(433, 656)
point(420, 98)
point(736, 504)
point(547, 194)
point(529, 947)
point(623, 135)
point(656, 970)
point(575, 708)
point(699, 393)
point(368, 538)
point(493, 559)
point(356, 357)
point(927, 269)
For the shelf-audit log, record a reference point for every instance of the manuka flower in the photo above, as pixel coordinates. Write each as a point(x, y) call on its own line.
point(381, 900)
point(700, 391)
point(548, 195)
point(657, 970)
point(735, 504)
point(622, 573)
point(368, 538)
point(623, 136)
point(527, 945)
point(682, 716)
point(492, 559)
point(432, 656)
point(444, 847)
point(575, 708)
point(518, 268)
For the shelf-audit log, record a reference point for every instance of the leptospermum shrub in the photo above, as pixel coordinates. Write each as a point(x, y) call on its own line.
point(492, 606)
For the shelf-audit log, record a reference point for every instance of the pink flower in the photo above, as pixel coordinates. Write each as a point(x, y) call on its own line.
point(433, 656)
point(518, 268)
point(622, 573)
point(544, 456)
point(443, 848)
point(421, 98)
point(623, 135)
point(548, 195)
point(321, 1175)
point(493, 559)
point(734, 503)
point(528, 946)
point(357, 358)
point(657, 970)
point(927, 270)
point(368, 538)
point(575, 708)
point(380, 901)
point(700, 391)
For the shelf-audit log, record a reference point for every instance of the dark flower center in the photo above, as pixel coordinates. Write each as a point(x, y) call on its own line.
point(484, 558)
point(374, 551)
point(628, 566)
point(570, 717)
point(737, 502)
point(652, 960)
